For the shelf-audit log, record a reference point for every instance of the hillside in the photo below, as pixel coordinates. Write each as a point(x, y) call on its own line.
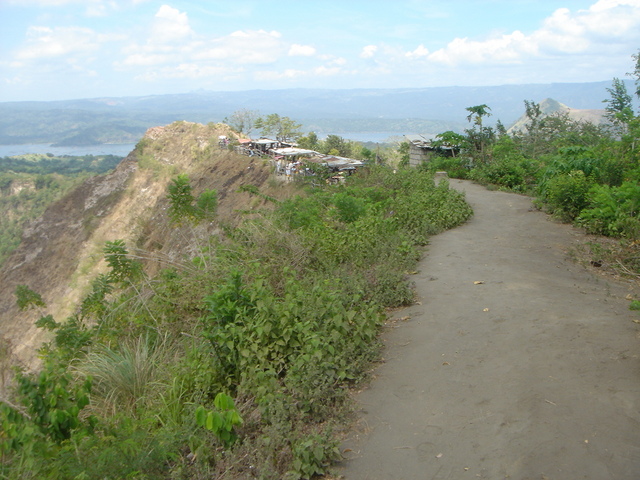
point(61, 251)
point(200, 329)
point(400, 111)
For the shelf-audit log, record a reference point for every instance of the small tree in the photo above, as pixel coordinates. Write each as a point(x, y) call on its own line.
point(336, 145)
point(309, 141)
point(533, 140)
point(243, 121)
point(479, 136)
point(184, 206)
point(477, 113)
point(619, 107)
point(450, 139)
point(283, 128)
point(636, 72)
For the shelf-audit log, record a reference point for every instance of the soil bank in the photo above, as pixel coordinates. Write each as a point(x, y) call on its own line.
point(516, 362)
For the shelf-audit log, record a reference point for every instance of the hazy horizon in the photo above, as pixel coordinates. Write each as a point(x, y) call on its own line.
point(73, 49)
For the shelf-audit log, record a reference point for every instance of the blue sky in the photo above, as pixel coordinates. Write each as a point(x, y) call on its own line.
point(63, 49)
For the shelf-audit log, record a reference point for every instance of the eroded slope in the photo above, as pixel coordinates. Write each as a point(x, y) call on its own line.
point(61, 252)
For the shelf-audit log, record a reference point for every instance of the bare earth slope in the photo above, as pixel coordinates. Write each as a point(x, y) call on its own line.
point(61, 252)
point(532, 374)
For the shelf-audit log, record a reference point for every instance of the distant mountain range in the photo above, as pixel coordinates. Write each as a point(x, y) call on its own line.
point(394, 111)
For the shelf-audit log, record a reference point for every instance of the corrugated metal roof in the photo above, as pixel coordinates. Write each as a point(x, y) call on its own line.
point(289, 151)
point(264, 141)
point(418, 139)
point(333, 161)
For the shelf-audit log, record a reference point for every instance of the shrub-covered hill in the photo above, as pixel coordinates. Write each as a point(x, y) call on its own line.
point(29, 183)
point(60, 251)
point(203, 319)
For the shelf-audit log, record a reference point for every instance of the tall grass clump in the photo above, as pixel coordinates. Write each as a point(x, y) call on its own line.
point(124, 375)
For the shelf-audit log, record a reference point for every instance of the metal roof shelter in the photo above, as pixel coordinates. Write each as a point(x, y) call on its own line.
point(336, 163)
point(291, 152)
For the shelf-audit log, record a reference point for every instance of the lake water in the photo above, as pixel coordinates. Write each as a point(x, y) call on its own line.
point(377, 137)
point(122, 150)
point(107, 149)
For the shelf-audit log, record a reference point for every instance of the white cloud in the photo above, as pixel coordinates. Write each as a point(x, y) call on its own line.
point(187, 71)
point(292, 74)
point(564, 32)
point(46, 42)
point(173, 42)
point(60, 3)
point(369, 51)
point(419, 52)
point(324, 71)
point(198, 57)
point(42, 3)
point(171, 25)
point(297, 50)
point(94, 8)
point(247, 47)
point(13, 81)
point(270, 75)
point(145, 60)
point(503, 49)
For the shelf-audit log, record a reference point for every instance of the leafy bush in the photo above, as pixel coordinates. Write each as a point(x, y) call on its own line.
point(184, 206)
point(456, 167)
point(567, 194)
point(312, 456)
point(613, 211)
point(506, 172)
point(222, 420)
point(577, 158)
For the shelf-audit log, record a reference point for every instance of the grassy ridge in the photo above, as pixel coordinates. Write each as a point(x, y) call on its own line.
point(238, 362)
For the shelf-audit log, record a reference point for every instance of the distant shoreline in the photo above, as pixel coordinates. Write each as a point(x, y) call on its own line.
point(120, 150)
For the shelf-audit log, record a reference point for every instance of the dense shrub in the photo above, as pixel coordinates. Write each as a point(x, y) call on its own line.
point(565, 195)
point(509, 173)
point(613, 211)
point(456, 167)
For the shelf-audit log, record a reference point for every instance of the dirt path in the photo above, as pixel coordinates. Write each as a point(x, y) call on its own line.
point(532, 374)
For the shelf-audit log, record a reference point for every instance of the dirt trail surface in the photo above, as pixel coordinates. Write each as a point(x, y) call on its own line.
point(532, 374)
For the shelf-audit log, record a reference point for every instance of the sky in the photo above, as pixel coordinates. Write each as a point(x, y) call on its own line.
point(68, 49)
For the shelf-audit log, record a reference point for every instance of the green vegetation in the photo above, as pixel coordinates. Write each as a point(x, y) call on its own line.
point(64, 165)
point(580, 172)
point(30, 183)
point(184, 207)
point(237, 363)
point(70, 124)
point(284, 129)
